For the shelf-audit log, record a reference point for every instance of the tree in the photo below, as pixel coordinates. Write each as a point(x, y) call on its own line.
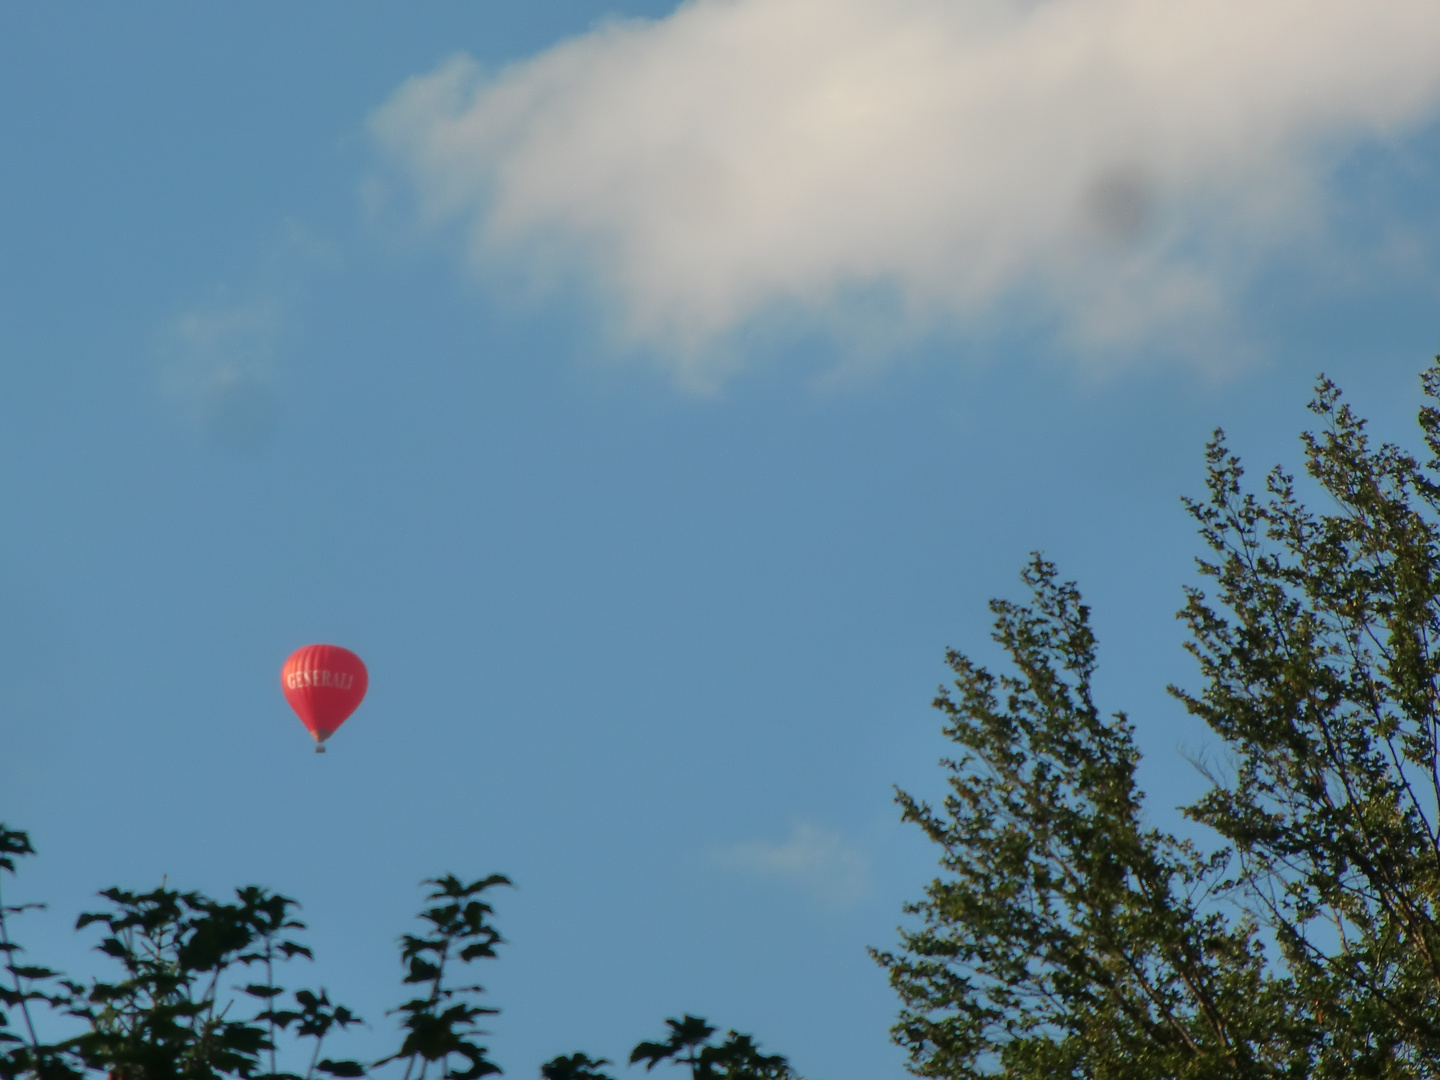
point(688, 1044)
point(575, 1067)
point(1066, 937)
point(172, 1014)
point(737, 1058)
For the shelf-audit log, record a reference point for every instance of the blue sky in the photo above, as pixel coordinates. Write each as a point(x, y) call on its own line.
point(649, 397)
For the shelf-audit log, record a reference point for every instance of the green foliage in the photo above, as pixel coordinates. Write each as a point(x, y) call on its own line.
point(170, 1015)
point(441, 1025)
point(737, 1058)
point(167, 1016)
point(1320, 664)
point(1065, 938)
point(23, 1054)
point(575, 1067)
point(12, 844)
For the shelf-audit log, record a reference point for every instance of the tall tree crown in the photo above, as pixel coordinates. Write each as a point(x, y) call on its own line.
point(1066, 937)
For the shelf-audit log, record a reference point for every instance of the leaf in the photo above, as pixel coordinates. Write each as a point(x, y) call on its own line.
point(341, 1068)
point(480, 1065)
point(421, 971)
point(575, 1067)
point(32, 972)
point(13, 843)
point(651, 1053)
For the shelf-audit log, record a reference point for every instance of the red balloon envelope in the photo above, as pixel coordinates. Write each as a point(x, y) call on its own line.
point(324, 685)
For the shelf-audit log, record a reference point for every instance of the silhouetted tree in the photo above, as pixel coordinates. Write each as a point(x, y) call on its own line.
point(737, 1058)
point(171, 1013)
point(575, 1067)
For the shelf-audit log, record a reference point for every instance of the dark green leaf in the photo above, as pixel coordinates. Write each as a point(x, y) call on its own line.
point(341, 1068)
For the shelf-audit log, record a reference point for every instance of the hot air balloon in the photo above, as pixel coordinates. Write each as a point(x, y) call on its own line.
point(324, 685)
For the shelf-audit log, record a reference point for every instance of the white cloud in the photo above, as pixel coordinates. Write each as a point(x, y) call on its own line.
point(219, 369)
point(812, 857)
point(222, 360)
point(1114, 168)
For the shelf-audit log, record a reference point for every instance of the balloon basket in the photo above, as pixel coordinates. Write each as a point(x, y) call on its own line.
point(320, 748)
